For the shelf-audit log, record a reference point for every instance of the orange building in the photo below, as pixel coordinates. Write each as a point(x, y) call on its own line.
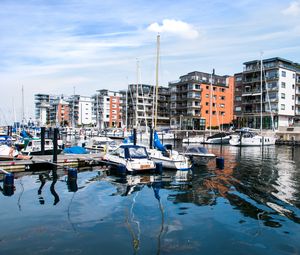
point(217, 103)
point(200, 100)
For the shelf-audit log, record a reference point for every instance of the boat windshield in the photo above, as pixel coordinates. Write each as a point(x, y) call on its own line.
point(138, 152)
point(196, 150)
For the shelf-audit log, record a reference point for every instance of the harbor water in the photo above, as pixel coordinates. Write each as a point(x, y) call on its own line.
point(252, 206)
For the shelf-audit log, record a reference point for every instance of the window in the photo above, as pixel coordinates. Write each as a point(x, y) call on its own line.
point(238, 108)
point(214, 112)
point(292, 107)
point(238, 98)
point(282, 96)
point(283, 73)
point(206, 112)
point(214, 88)
point(293, 97)
point(222, 105)
point(207, 96)
point(222, 97)
point(207, 87)
point(294, 76)
point(283, 85)
point(293, 86)
point(282, 107)
point(197, 86)
point(207, 103)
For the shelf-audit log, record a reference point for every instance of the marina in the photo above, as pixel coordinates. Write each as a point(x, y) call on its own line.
point(249, 206)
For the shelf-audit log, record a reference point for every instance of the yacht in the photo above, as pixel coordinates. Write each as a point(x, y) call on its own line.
point(135, 158)
point(199, 155)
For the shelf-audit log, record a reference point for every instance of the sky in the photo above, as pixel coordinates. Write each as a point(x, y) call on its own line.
point(66, 46)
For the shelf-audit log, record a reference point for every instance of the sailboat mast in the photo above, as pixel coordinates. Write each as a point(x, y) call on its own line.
point(261, 92)
point(137, 93)
point(210, 101)
point(156, 85)
point(23, 106)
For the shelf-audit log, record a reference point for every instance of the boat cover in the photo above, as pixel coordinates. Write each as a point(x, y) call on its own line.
point(157, 144)
point(75, 150)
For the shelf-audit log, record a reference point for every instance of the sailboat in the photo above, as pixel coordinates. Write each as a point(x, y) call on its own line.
point(249, 137)
point(168, 157)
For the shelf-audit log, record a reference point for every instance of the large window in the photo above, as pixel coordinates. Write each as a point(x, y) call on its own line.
point(283, 73)
point(282, 107)
point(282, 95)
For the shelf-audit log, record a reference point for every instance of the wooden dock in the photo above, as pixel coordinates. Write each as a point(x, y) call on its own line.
point(38, 163)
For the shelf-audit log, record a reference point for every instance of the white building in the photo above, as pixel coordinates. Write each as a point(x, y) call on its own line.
point(280, 84)
point(84, 110)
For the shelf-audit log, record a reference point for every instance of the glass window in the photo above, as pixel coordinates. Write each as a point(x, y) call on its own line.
point(283, 85)
point(282, 96)
point(282, 107)
point(283, 73)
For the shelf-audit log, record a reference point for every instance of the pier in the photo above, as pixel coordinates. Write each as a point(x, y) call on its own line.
point(38, 163)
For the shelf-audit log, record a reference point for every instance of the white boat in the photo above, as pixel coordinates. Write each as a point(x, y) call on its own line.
point(101, 143)
point(199, 155)
point(196, 139)
point(246, 137)
point(34, 148)
point(219, 138)
point(170, 159)
point(135, 158)
point(10, 153)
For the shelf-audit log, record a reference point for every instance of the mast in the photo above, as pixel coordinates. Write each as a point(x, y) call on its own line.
point(261, 91)
point(137, 91)
point(23, 113)
point(210, 100)
point(156, 91)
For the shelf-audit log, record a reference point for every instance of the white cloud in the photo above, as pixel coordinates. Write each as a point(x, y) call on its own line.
point(176, 27)
point(293, 9)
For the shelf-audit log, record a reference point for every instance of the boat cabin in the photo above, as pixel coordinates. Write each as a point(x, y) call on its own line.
point(131, 152)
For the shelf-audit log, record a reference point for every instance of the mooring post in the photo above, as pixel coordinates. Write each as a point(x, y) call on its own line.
point(55, 145)
point(42, 140)
point(134, 136)
point(151, 138)
point(174, 141)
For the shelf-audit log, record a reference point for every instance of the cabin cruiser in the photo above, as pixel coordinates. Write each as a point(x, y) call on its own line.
point(248, 137)
point(101, 143)
point(33, 147)
point(199, 155)
point(195, 139)
point(219, 138)
point(135, 158)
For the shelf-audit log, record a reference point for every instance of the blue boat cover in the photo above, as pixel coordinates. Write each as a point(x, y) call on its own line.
point(75, 150)
point(157, 144)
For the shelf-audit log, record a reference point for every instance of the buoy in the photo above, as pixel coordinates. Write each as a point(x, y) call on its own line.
point(72, 173)
point(159, 167)
point(220, 162)
point(8, 179)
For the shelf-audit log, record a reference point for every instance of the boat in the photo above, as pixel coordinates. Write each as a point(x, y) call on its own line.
point(169, 158)
point(10, 153)
point(34, 148)
point(101, 143)
point(219, 138)
point(196, 139)
point(199, 155)
point(134, 158)
point(248, 137)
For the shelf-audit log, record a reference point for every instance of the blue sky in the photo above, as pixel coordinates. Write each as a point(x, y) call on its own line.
point(52, 46)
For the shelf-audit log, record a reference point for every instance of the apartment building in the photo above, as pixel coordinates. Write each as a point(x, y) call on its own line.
point(43, 103)
point(107, 107)
point(275, 83)
point(141, 105)
point(80, 110)
point(200, 100)
point(60, 112)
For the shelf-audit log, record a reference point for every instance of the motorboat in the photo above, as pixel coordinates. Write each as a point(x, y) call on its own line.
point(199, 155)
point(134, 158)
point(196, 139)
point(33, 147)
point(101, 143)
point(219, 138)
point(10, 153)
point(247, 137)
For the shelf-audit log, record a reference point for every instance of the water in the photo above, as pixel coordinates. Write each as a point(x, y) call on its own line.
point(250, 207)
